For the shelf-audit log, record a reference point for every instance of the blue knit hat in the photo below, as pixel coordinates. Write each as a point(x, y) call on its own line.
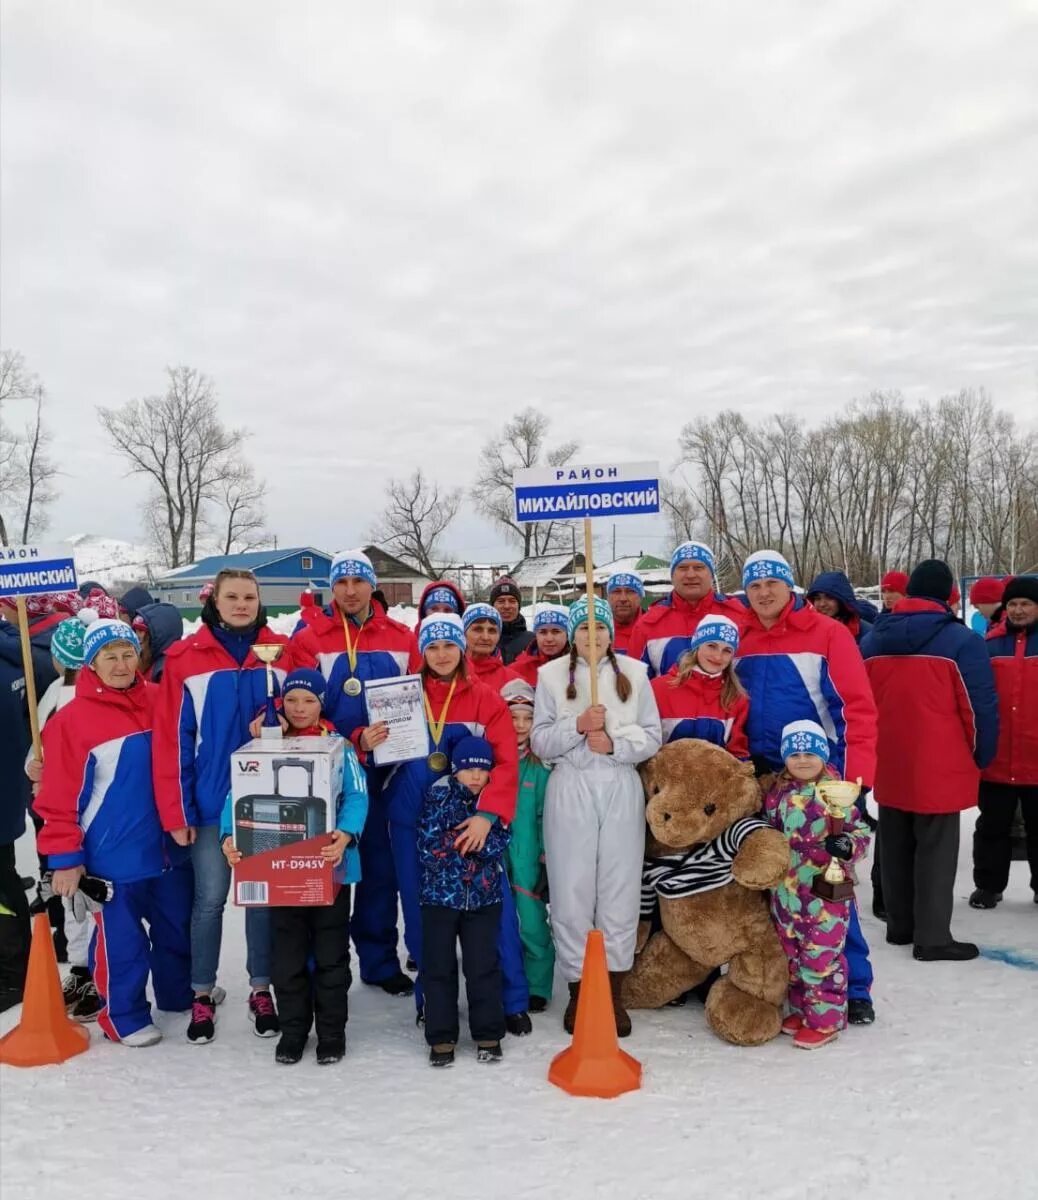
point(352, 564)
point(693, 552)
point(441, 595)
point(578, 615)
point(625, 579)
point(804, 737)
point(481, 612)
point(472, 752)
point(766, 564)
point(715, 628)
point(441, 627)
point(66, 643)
point(551, 614)
point(305, 679)
point(100, 633)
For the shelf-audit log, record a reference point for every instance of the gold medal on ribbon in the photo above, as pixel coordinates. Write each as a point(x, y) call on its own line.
point(438, 761)
point(352, 686)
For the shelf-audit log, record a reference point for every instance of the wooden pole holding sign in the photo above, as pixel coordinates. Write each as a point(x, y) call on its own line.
point(589, 572)
point(30, 678)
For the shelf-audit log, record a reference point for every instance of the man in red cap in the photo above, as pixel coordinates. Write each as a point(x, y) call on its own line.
point(892, 588)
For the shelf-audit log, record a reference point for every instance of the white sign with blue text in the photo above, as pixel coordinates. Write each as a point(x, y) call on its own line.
point(597, 490)
point(36, 570)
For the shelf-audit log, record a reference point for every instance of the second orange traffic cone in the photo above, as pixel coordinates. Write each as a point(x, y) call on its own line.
point(45, 1033)
point(594, 1065)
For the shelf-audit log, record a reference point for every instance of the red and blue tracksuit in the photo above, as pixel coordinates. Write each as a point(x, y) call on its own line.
point(97, 803)
point(664, 632)
point(693, 709)
point(474, 710)
point(622, 635)
point(806, 667)
point(527, 664)
point(384, 649)
point(490, 671)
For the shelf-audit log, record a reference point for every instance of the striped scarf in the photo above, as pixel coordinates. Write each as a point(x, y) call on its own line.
point(701, 869)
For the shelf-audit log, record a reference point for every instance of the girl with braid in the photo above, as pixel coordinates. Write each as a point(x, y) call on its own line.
point(594, 808)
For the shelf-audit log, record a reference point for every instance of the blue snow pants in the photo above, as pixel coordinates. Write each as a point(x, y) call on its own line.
point(373, 925)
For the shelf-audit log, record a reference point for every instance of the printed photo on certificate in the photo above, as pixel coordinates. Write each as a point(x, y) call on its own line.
point(399, 703)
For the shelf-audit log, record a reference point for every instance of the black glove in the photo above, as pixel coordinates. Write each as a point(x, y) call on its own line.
point(839, 845)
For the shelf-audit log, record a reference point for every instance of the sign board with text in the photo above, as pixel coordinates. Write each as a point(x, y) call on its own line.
point(36, 570)
point(596, 490)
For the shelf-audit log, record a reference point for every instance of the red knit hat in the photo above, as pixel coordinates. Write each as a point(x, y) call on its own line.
point(987, 590)
point(894, 581)
point(955, 596)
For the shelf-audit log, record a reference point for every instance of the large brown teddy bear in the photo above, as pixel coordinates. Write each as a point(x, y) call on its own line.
point(710, 861)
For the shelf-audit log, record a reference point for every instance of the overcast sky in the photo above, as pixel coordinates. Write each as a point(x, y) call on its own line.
point(382, 228)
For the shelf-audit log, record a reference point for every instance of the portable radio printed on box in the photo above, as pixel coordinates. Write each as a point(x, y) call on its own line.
point(284, 795)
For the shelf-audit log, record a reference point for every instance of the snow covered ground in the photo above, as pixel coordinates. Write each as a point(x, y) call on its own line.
point(934, 1101)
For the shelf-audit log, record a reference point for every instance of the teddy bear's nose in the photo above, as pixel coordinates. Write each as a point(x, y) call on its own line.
point(666, 816)
point(710, 809)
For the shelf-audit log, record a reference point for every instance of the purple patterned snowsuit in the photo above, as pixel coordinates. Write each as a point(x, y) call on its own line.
point(812, 930)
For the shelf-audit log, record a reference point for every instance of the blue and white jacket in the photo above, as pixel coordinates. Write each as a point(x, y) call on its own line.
point(446, 877)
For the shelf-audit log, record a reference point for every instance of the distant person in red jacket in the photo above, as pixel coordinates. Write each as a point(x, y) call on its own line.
point(442, 596)
point(482, 625)
point(625, 593)
point(550, 641)
point(892, 588)
point(986, 598)
point(938, 728)
point(1011, 778)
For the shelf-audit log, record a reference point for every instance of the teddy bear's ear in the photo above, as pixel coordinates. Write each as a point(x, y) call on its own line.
point(747, 769)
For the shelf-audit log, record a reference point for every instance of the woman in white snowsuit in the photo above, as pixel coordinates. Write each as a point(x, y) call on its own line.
point(594, 810)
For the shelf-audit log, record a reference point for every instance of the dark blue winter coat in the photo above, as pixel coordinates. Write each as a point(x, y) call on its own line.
point(165, 626)
point(15, 739)
point(135, 599)
point(447, 878)
point(837, 585)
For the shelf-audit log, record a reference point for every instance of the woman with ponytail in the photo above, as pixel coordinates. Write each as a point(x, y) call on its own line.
point(594, 809)
point(701, 696)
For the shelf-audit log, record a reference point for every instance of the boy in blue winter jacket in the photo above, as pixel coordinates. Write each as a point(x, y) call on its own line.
point(460, 896)
point(314, 934)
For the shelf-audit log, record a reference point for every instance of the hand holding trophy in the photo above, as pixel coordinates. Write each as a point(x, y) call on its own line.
point(268, 654)
point(838, 796)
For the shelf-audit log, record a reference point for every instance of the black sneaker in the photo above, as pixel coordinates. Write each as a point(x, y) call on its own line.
point(88, 1005)
point(202, 1028)
point(263, 1014)
point(538, 1004)
point(860, 1012)
point(953, 952)
point(441, 1056)
point(518, 1024)
point(985, 899)
point(488, 1052)
point(73, 984)
point(331, 1050)
point(396, 985)
point(289, 1051)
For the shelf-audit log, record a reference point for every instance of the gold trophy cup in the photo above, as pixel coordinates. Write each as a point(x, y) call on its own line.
point(268, 654)
point(838, 796)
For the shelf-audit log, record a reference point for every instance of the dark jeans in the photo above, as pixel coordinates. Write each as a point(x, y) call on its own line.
point(320, 933)
point(14, 925)
point(476, 929)
point(920, 858)
point(992, 845)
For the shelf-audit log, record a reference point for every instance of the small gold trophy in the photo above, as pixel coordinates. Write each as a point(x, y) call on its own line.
point(838, 796)
point(268, 654)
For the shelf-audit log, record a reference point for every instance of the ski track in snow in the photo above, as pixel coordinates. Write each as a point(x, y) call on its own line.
point(933, 1101)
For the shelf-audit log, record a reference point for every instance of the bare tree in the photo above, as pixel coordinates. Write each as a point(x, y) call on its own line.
point(415, 518)
point(26, 467)
point(522, 443)
point(240, 505)
point(178, 441)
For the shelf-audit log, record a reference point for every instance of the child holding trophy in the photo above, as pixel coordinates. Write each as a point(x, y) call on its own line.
point(814, 809)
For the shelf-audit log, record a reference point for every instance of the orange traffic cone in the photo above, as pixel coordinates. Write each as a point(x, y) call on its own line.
point(594, 1065)
point(45, 1034)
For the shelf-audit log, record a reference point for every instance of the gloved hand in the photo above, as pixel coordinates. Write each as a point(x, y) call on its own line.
point(839, 845)
point(88, 898)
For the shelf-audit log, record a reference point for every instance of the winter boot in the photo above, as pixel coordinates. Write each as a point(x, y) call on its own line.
point(620, 1014)
point(148, 1036)
point(330, 1051)
point(985, 899)
point(793, 1024)
point(72, 985)
point(569, 1017)
point(811, 1039)
point(398, 984)
point(538, 1004)
point(88, 1004)
point(441, 1055)
point(489, 1052)
point(289, 1051)
point(953, 952)
point(860, 1012)
point(518, 1024)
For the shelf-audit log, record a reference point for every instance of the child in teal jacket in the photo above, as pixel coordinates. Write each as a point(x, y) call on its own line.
point(525, 855)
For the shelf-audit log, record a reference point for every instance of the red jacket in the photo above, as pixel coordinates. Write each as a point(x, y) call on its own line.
point(622, 637)
point(693, 709)
point(530, 662)
point(663, 632)
point(490, 671)
point(1014, 658)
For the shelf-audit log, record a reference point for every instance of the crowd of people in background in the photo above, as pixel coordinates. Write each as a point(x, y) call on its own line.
point(523, 828)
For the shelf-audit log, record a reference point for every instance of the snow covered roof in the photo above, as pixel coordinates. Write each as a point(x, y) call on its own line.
point(650, 568)
point(536, 572)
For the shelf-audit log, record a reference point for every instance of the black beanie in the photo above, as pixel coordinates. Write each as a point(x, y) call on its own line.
point(1023, 587)
point(932, 580)
point(505, 586)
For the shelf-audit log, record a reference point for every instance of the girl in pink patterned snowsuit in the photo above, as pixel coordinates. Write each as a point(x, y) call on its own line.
point(812, 929)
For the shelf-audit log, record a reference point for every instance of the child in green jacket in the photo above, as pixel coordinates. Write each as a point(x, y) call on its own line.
point(525, 854)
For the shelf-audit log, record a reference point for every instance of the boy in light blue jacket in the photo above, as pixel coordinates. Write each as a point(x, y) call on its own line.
point(317, 933)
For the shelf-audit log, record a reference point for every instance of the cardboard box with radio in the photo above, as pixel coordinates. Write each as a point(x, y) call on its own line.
point(284, 795)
